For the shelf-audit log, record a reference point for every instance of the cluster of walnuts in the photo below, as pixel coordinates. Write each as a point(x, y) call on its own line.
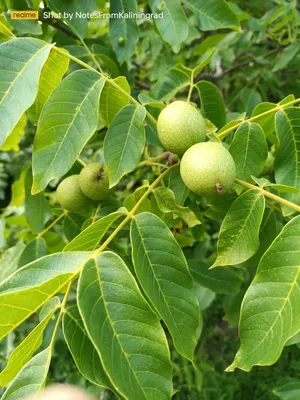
point(207, 168)
point(75, 192)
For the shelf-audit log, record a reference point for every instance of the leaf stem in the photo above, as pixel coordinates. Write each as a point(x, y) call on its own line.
point(223, 134)
point(92, 55)
point(270, 195)
point(160, 157)
point(191, 87)
point(108, 79)
point(81, 162)
point(65, 212)
point(135, 208)
point(62, 309)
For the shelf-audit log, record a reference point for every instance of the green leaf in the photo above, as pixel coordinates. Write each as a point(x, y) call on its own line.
point(163, 273)
point(173, 27)
point(126, 332)
point(249, 150)
point(269, 313)
point(250, 98)
point(90, 237)
point(13, 140)
point(18, 189)
point(282, 188)
point(221, 280)
point(52, 73)
point(239, 233)
point(287, 164)
point(33, 250)
point(36, 220)
point(124, 142)
point(67, 122)
point(204, 61)
point(22, 353)
point(77, 24)
point(9, 260)
point(287, 389)
point(175, 183)
point(26, 290)
point(112, 99)
point(31, 379)
point(82, 349)
point(106, 59)
point(213, 14)
point(267, 122)
point(72, 225)
point(134, 197)
point(212, 104)
point(208, 43)
point(146, 100)
point(268, 232)
point(172, 81)
point(167, 204)
point(5, 33)
point(205, 296)
point(124, 32)
point(19, 79)
point(288, 54)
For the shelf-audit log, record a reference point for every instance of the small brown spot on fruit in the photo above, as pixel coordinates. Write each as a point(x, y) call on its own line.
point(219, 187)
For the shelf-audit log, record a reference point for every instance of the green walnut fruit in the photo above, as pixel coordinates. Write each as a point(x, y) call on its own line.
point(208, 169)
point(93, 180)
point(70, 196)
point(179, 126)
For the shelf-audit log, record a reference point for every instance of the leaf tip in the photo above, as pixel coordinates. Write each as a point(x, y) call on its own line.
point(231, 367)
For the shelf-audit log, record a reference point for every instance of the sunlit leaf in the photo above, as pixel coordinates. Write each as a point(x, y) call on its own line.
point(21, 61)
